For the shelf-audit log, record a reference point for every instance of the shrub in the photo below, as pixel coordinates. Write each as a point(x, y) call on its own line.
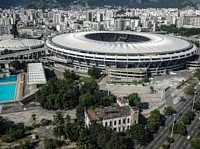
point(170, 140)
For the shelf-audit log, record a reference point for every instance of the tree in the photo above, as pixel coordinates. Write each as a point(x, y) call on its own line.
point(59, 131)
point(70, 75)
point(52, 144)
point(170, 140)
point(180, 128)
point(45, 122)
point(58, 94)
point(195, 143)
point(16, 132)
point(152, 89)
point(68, 118)
point(72, 131)
point(185, 120)
point(140, 134)
point(58, 118)
point(26, 145)
point(101, 137)
point(189, 90)
point(90, 85)
point(94, 72)
point(156, 117)
point(165, 146)
point(155, 120)
point(15, 64)
point(190, 115)
point(168, 111)
point(34, 117)
point(152, 127)
point(134, 99)
point(197, 105)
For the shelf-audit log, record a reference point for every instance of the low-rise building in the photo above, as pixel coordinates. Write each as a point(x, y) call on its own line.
point(118, 118)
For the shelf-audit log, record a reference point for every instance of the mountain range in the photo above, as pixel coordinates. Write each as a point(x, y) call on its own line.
point(130, 3)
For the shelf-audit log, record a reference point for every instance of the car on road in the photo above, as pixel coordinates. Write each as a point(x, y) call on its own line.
point(188, 137)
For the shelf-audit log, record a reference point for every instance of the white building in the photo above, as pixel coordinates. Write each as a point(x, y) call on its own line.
point(36, 74)
point(118, 118)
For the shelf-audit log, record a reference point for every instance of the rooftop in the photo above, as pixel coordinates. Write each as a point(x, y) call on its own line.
point(36, 74)
point(17, 44)
point(156, 43)
point(109, 112)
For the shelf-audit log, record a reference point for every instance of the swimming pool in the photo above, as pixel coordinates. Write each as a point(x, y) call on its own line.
point(8, 79)
point(7, 92)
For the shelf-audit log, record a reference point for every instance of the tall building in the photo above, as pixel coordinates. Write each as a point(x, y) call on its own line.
point(89, 16)
point(193, 21)
point(120, 24)
point(5, 30)
point(99, 17)
point(57, 18)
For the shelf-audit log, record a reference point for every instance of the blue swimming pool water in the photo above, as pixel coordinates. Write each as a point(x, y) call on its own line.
point(7, 92)
point(8, 79)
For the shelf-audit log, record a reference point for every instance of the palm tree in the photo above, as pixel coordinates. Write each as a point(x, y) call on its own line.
point(67, 118)
point(34, 117)
point(58, 118)
point(59, 131)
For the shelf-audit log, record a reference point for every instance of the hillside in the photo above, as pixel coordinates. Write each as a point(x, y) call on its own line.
point(131, 3)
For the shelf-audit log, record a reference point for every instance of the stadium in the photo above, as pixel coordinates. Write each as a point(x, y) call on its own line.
point(123, 53)
point(16, 45)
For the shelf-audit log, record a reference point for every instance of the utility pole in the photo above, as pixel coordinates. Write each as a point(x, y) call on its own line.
point(194, 98)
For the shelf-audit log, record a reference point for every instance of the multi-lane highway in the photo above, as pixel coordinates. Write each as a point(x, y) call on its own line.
point(182, 142)
point(181, 108)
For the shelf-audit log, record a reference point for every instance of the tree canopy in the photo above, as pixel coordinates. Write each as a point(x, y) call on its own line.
point(58, 94)
point(52, 143)
point(195, 143)
point(139, 134)
point(10, 131)
point(189, 90)
point(134, 99)
point(180, 31)
point(180, 128)
point(168, 111)
point(197, 105)
point(154, 121)
point(15, 64)
point(94, 72)
point(68, 94)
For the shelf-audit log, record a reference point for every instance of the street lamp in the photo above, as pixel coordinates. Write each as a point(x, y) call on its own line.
point(173, 125)
point(195, 94)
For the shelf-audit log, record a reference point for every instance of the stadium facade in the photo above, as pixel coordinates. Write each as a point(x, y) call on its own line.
point(123, 53)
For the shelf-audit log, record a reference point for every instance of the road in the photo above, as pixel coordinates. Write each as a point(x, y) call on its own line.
point(182, 142)
point(181, 108)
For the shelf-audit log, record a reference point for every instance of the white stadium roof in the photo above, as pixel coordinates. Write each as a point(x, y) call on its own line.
point(36, 74)
point(157, 43)
point(19, 44)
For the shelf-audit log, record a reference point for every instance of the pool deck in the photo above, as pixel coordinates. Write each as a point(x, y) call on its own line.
point(20, 87)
